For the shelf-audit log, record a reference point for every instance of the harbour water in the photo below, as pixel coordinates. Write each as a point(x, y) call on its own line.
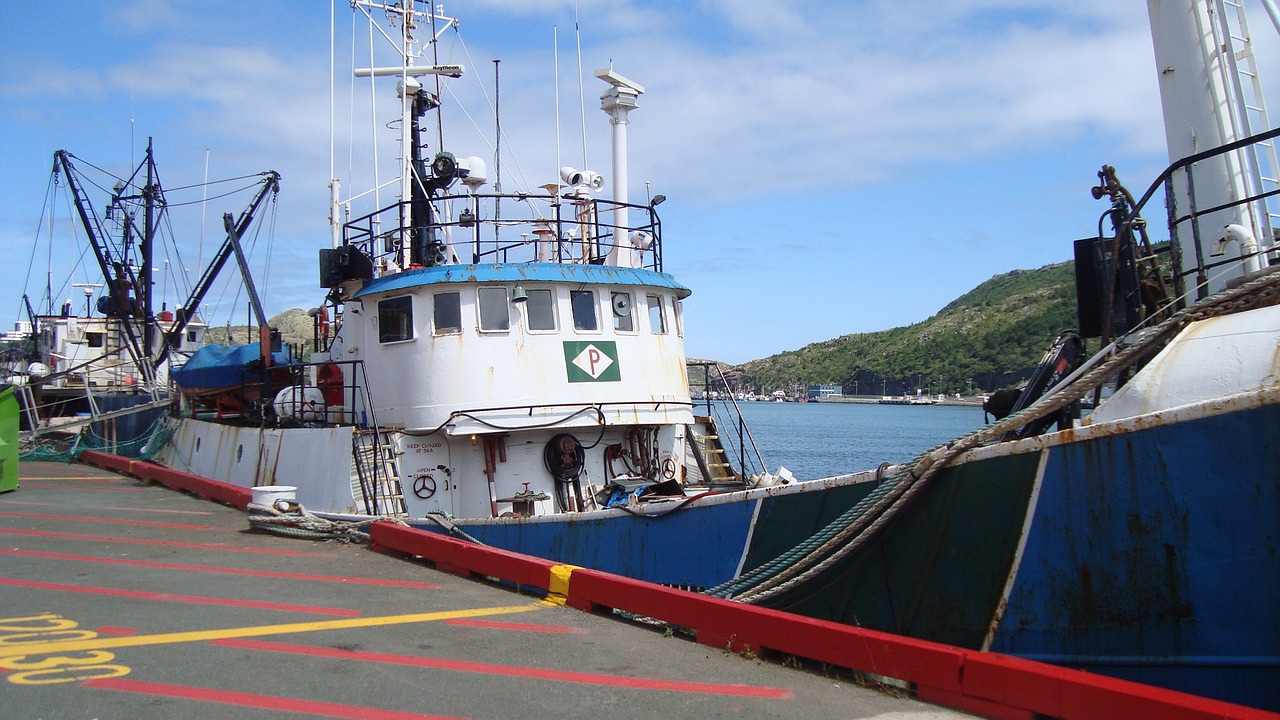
point(815, 440)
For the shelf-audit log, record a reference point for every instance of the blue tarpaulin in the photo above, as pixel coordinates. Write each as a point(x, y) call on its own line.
point(221, 366)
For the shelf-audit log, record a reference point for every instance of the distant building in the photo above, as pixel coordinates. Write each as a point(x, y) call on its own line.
point(21, 331)
point(818, 392)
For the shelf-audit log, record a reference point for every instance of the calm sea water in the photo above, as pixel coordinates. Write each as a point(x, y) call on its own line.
point(815, 440)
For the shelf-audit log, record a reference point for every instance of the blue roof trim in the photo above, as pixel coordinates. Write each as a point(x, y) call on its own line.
point(524, 273)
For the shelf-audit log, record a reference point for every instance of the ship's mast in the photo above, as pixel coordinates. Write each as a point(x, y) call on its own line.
point(408, 149)
point(414, 102)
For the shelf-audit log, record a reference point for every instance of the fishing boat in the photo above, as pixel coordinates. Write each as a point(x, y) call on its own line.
point(104, 365)
point(509, 368)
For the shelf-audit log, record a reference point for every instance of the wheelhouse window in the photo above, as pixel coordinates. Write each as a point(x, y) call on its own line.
point(657, 319)
point(540, 310)
point(446, 313)
point(395, 319)
point(96, 339)
point(584, 310)
point(679, 307)
point(623, 317)
point(495, 309)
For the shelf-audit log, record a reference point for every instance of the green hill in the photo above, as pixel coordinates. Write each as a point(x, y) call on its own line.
point(986, 339)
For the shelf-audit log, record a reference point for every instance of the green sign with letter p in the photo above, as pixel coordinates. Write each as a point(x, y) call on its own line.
point(595, 361)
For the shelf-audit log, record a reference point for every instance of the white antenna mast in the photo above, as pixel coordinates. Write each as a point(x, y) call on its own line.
point(555, 54)
point(582, 93)
point(617, 102)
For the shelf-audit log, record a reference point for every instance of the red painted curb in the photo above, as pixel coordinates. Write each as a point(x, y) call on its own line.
point(985, 684)
point(226, 493)
point(461, 557)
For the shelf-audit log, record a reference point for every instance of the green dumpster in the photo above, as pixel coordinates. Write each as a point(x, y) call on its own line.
point(8, 440)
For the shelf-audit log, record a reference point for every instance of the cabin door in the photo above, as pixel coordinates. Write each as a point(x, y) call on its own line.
point(426, 473)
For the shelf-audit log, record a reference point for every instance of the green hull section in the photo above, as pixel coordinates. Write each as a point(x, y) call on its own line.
point(936, 571)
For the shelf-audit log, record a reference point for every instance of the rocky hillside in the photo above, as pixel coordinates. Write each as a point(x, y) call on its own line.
point(988, 338)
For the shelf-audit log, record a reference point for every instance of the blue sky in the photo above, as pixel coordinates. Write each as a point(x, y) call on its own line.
point(830, 167)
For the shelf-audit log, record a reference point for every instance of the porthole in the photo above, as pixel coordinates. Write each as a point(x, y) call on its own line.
point(239, 452)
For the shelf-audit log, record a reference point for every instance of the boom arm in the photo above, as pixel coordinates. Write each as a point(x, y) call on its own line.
point(270, 185)
point(101, 250)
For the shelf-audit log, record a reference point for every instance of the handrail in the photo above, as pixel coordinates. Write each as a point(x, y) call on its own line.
point(1189, 160)
point(1165, 179)
point(549, 219)
point(746, 428)
point(744, 431)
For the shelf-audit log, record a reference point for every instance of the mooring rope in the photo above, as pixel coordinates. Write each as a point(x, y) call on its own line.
point(297, 521)
point(862, 522)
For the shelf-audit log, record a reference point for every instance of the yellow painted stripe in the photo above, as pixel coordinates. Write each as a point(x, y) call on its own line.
point(558, 585)
point(103, 643)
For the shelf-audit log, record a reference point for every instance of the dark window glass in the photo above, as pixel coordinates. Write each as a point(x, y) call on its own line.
point(584, 310)
point(541, 309)
point(495, 310)
point(447, 317)
point(395, 319)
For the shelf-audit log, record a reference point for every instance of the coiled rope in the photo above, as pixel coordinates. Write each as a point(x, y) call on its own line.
point(860, 523)
point(296, 521)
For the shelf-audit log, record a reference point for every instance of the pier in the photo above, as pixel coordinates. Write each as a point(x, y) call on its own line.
point(137, 601)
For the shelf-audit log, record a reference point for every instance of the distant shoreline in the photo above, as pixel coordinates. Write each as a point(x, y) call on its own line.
point(876, 400)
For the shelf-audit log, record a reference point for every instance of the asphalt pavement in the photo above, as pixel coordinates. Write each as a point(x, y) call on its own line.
point(120, 599)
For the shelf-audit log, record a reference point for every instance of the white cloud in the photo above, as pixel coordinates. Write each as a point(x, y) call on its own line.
point(140, 16)
point(858, 105)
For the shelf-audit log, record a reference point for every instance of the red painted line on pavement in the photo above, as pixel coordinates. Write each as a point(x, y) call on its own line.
point(41, 485)
point(166, 543)
point(116, 631)
point(224, 571)
point(33, 503)
point(532, 673)
point(174, 597)
point(520, 627)
point(266, 702)
point(108, 521)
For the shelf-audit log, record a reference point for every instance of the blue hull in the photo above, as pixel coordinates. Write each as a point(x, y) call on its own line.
point(687, 549)
point(1154, 559)
point(1131, 552)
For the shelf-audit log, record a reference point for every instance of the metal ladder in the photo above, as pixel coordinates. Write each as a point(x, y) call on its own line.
point(1239, 72)
point(709, 453)
point(374, 469)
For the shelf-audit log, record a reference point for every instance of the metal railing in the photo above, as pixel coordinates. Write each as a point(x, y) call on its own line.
point(1187, 220)
point(721, 406)
point(543, 228)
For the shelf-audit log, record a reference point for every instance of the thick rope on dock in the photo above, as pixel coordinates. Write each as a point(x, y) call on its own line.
point(296, 521)
point(858, 525)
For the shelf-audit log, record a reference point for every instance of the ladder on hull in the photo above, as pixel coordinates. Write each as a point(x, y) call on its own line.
point(376, 479)
point(709, 453)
